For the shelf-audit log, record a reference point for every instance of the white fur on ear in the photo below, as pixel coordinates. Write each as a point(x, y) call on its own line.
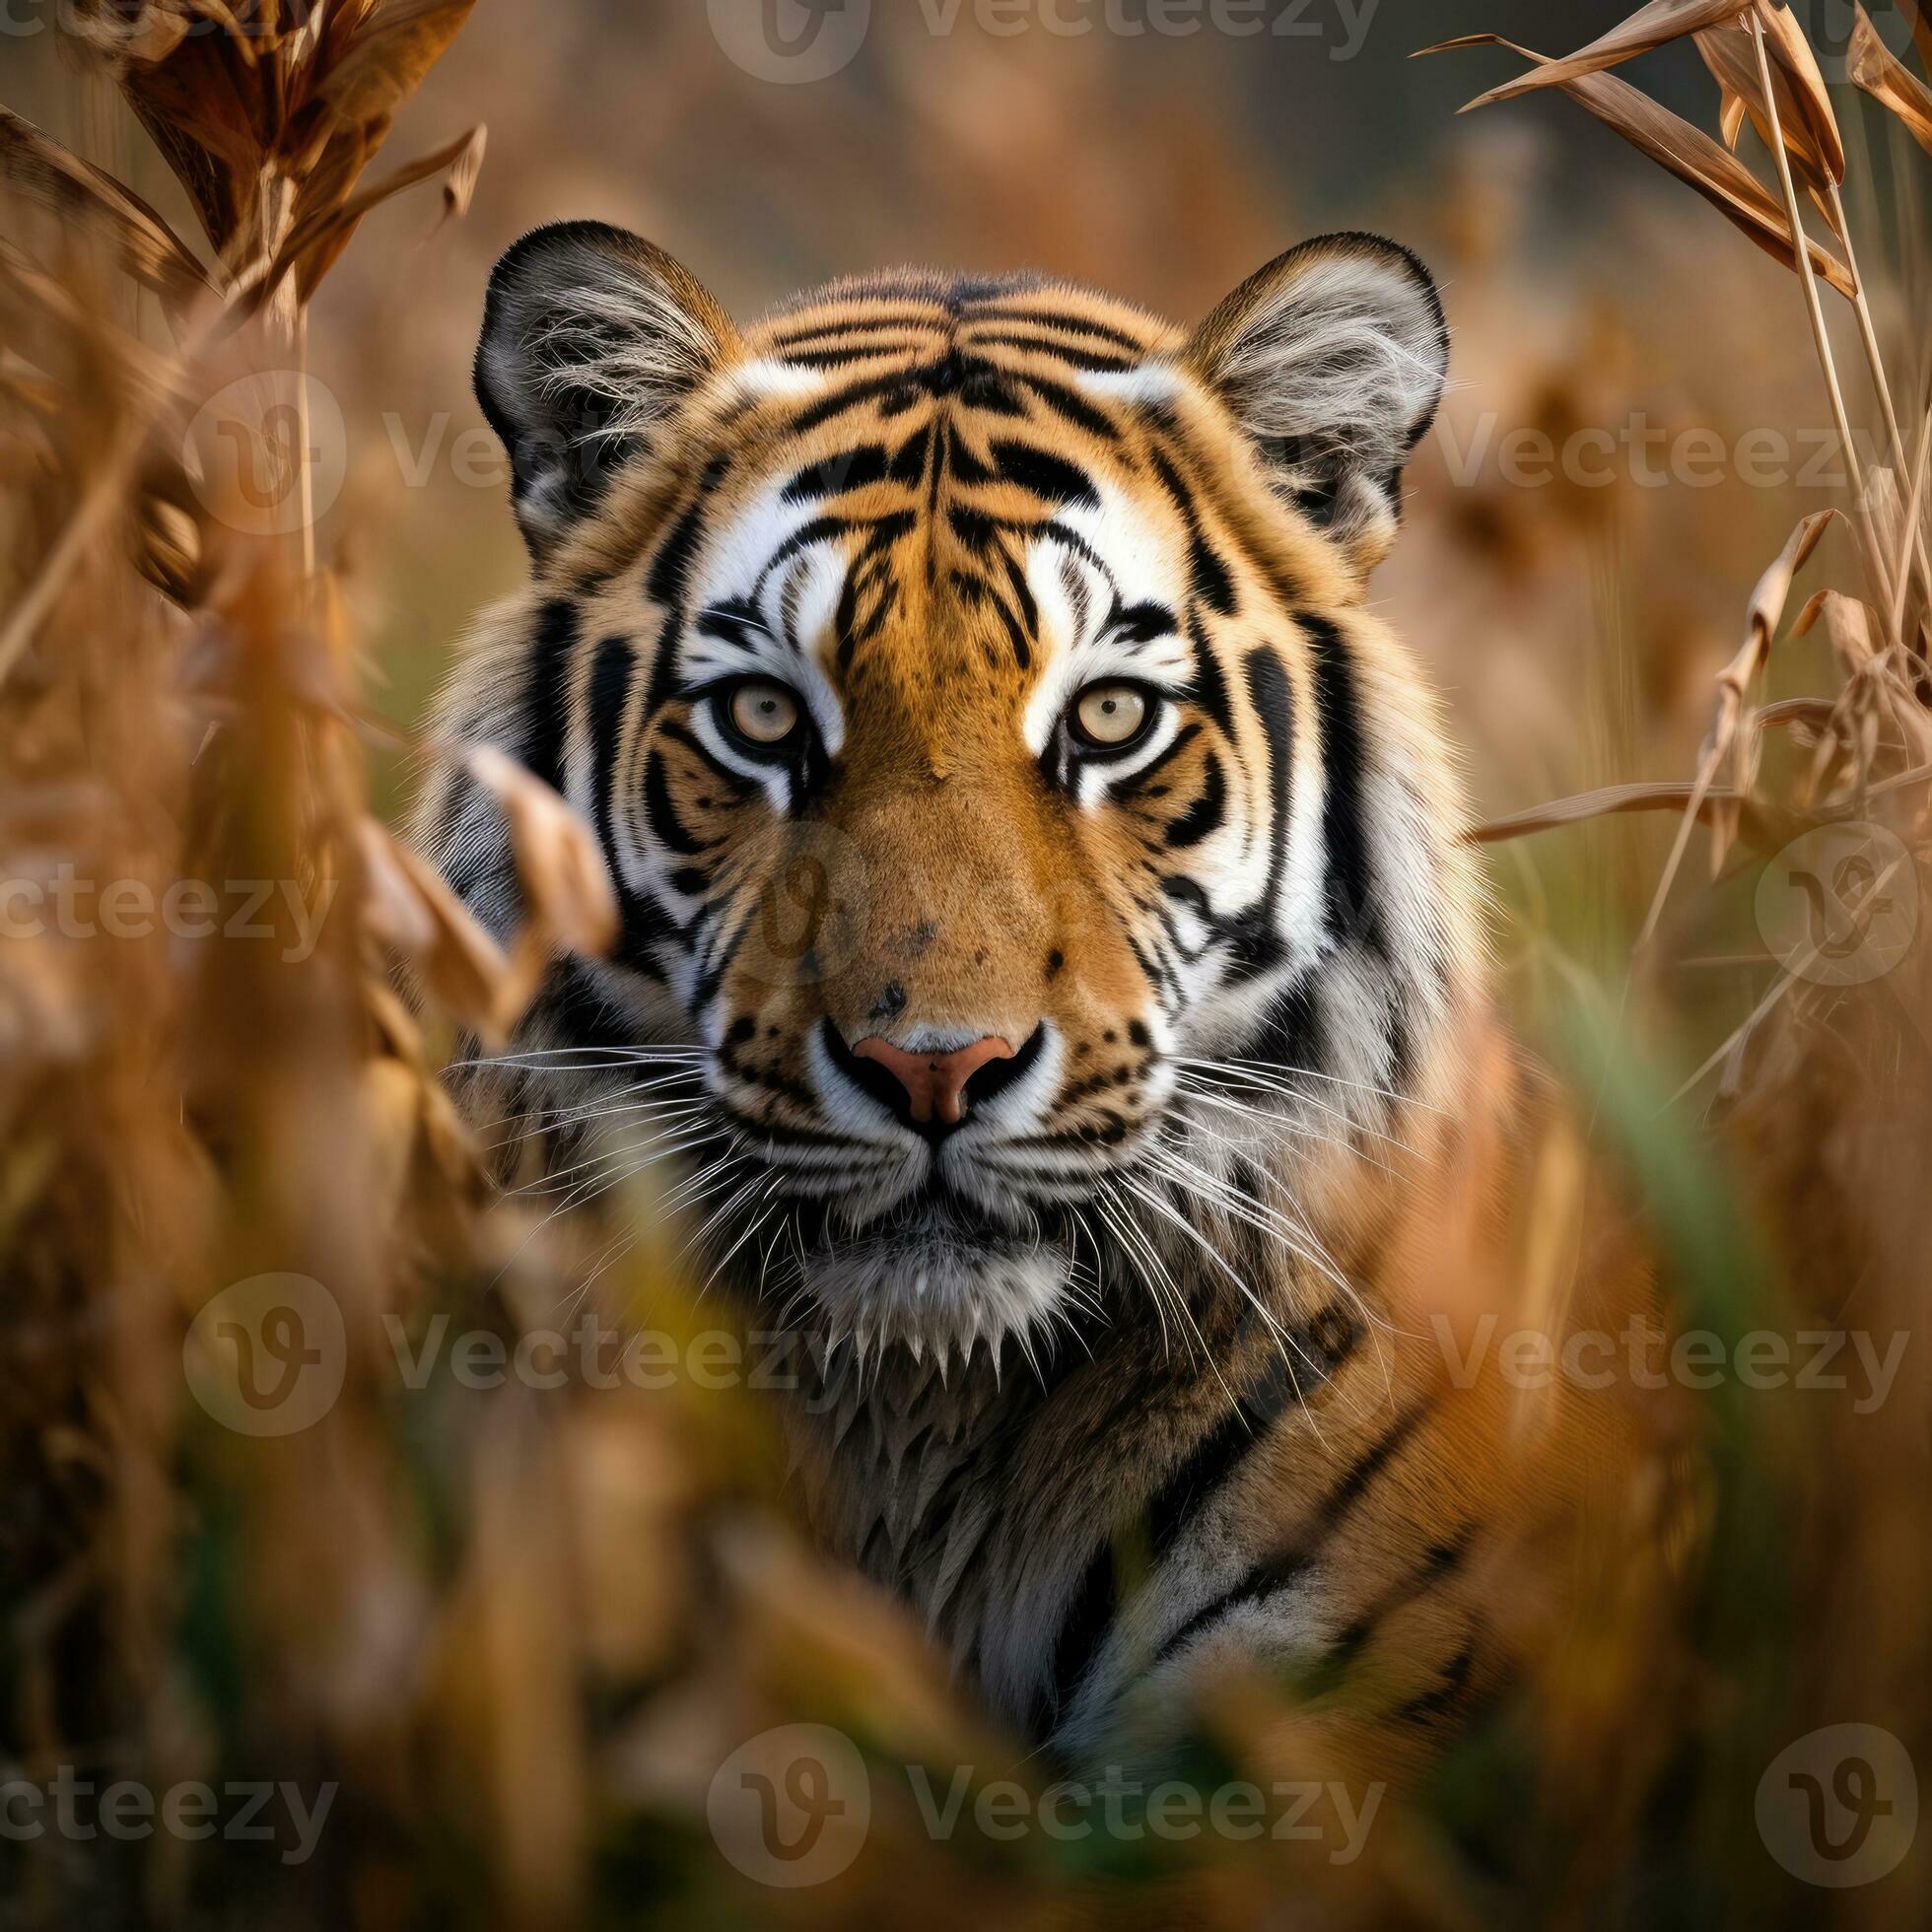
point(593, 337)
point(1333, 359)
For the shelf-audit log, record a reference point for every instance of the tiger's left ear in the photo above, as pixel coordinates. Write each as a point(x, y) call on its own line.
point(1333, 359)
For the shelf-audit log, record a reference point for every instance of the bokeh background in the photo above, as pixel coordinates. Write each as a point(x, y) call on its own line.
point(1574, 628)
point(523, 1632)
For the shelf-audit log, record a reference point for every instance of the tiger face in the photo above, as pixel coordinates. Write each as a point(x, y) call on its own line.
point(1023, 831)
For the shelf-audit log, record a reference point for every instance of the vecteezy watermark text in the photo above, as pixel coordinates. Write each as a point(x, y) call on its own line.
point(1645, 1356)
point(71, 1807)
point(791, 1806)
point(61, 901)
point(1645, 455)
point(797, 42)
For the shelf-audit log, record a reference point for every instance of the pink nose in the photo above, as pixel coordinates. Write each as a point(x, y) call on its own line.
point(934, 1082)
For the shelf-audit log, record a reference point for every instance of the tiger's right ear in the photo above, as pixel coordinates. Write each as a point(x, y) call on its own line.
point(1333, 359)
point(593, 337)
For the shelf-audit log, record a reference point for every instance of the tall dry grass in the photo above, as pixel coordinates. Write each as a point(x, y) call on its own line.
point(519, 1630)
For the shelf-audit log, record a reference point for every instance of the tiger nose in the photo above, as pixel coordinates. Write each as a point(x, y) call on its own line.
point(934, 1082)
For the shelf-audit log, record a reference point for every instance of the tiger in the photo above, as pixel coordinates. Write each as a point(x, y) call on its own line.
point(1051, 957)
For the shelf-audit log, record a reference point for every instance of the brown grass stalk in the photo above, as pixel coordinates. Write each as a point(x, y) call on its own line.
point(1875, 562)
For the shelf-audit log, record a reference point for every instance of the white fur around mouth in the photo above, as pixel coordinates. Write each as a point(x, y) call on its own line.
point(936, 1289)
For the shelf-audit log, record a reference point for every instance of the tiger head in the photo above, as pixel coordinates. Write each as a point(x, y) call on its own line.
point(1030, 847)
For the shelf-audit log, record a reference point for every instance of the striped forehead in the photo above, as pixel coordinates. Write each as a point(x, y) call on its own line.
point(1094, 587)
point(931, 497)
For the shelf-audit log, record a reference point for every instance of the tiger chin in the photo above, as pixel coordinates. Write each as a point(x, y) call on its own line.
point(1050, 958)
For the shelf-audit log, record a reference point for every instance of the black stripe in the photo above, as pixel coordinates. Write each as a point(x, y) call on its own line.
point(1269, 693)
point(739, 786)
point(1100, 361)
point(1351, 884)
point(1292, 1036)
point(662, 815)
point(670, 568)
point(1209, 580)
point(1208, 686)
point(1216, 1457)
point(1207, 814)
point(1083, 1627)
point(1043, 473)
point(845, 358)
point(546, 693)
point(1064, 323)
point(1132, 788)
point(1448, 1691)
point(585, 1015)
point(1276, 1573)
point(1066, 402)
point(849, 470)
point(927, 319)
point(1439, 1561)
point(610, 684)
point(853, 397)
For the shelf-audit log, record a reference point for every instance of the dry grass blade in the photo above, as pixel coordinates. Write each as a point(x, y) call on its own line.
point(1797, 66)
point(1849, 622)
point(1766, 611)
point(318, 238)
point(567, 888)
point(1687, 153)
point(1727, 51)
point(1920, 16)
point(569, 904)
point(1649, 28)
point(39, 308)
point(409, 909)
point(269, 125)
point(1875, 70)
point(1912, 531)
point(390, 53)
point(40, 169)
point(1671, 794)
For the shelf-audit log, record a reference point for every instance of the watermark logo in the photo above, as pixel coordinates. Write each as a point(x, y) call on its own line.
point(1839, 1805)
point(791, 42)
point(1839, 906)
point(267, 452)
point(268, 1355)
point(1832, 27)
point(800, 40)
point(812, 914)
point(791, 1806)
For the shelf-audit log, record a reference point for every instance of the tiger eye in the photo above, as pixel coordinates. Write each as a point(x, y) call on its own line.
point(1110, 715)
point(764, 713)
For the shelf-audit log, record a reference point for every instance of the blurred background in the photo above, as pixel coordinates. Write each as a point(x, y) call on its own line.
point(522, 1632)
point(1570, 623)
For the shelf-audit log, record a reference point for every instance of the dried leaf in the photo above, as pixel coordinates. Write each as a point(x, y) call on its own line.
point(1773, 593)
point(1731, 57)
point(38, 168)
point(1849, 622)
point(567, 889)
point(1731, 117)
point(1919, 13)
point(32, 303)
point(1879, 72)
point(1606, 799)
point(315, 241)
point(1793, 62)
point(407, 907)
point(388, 58)
point(1691, 155)
point(1766, 609)
point(1650, 26)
